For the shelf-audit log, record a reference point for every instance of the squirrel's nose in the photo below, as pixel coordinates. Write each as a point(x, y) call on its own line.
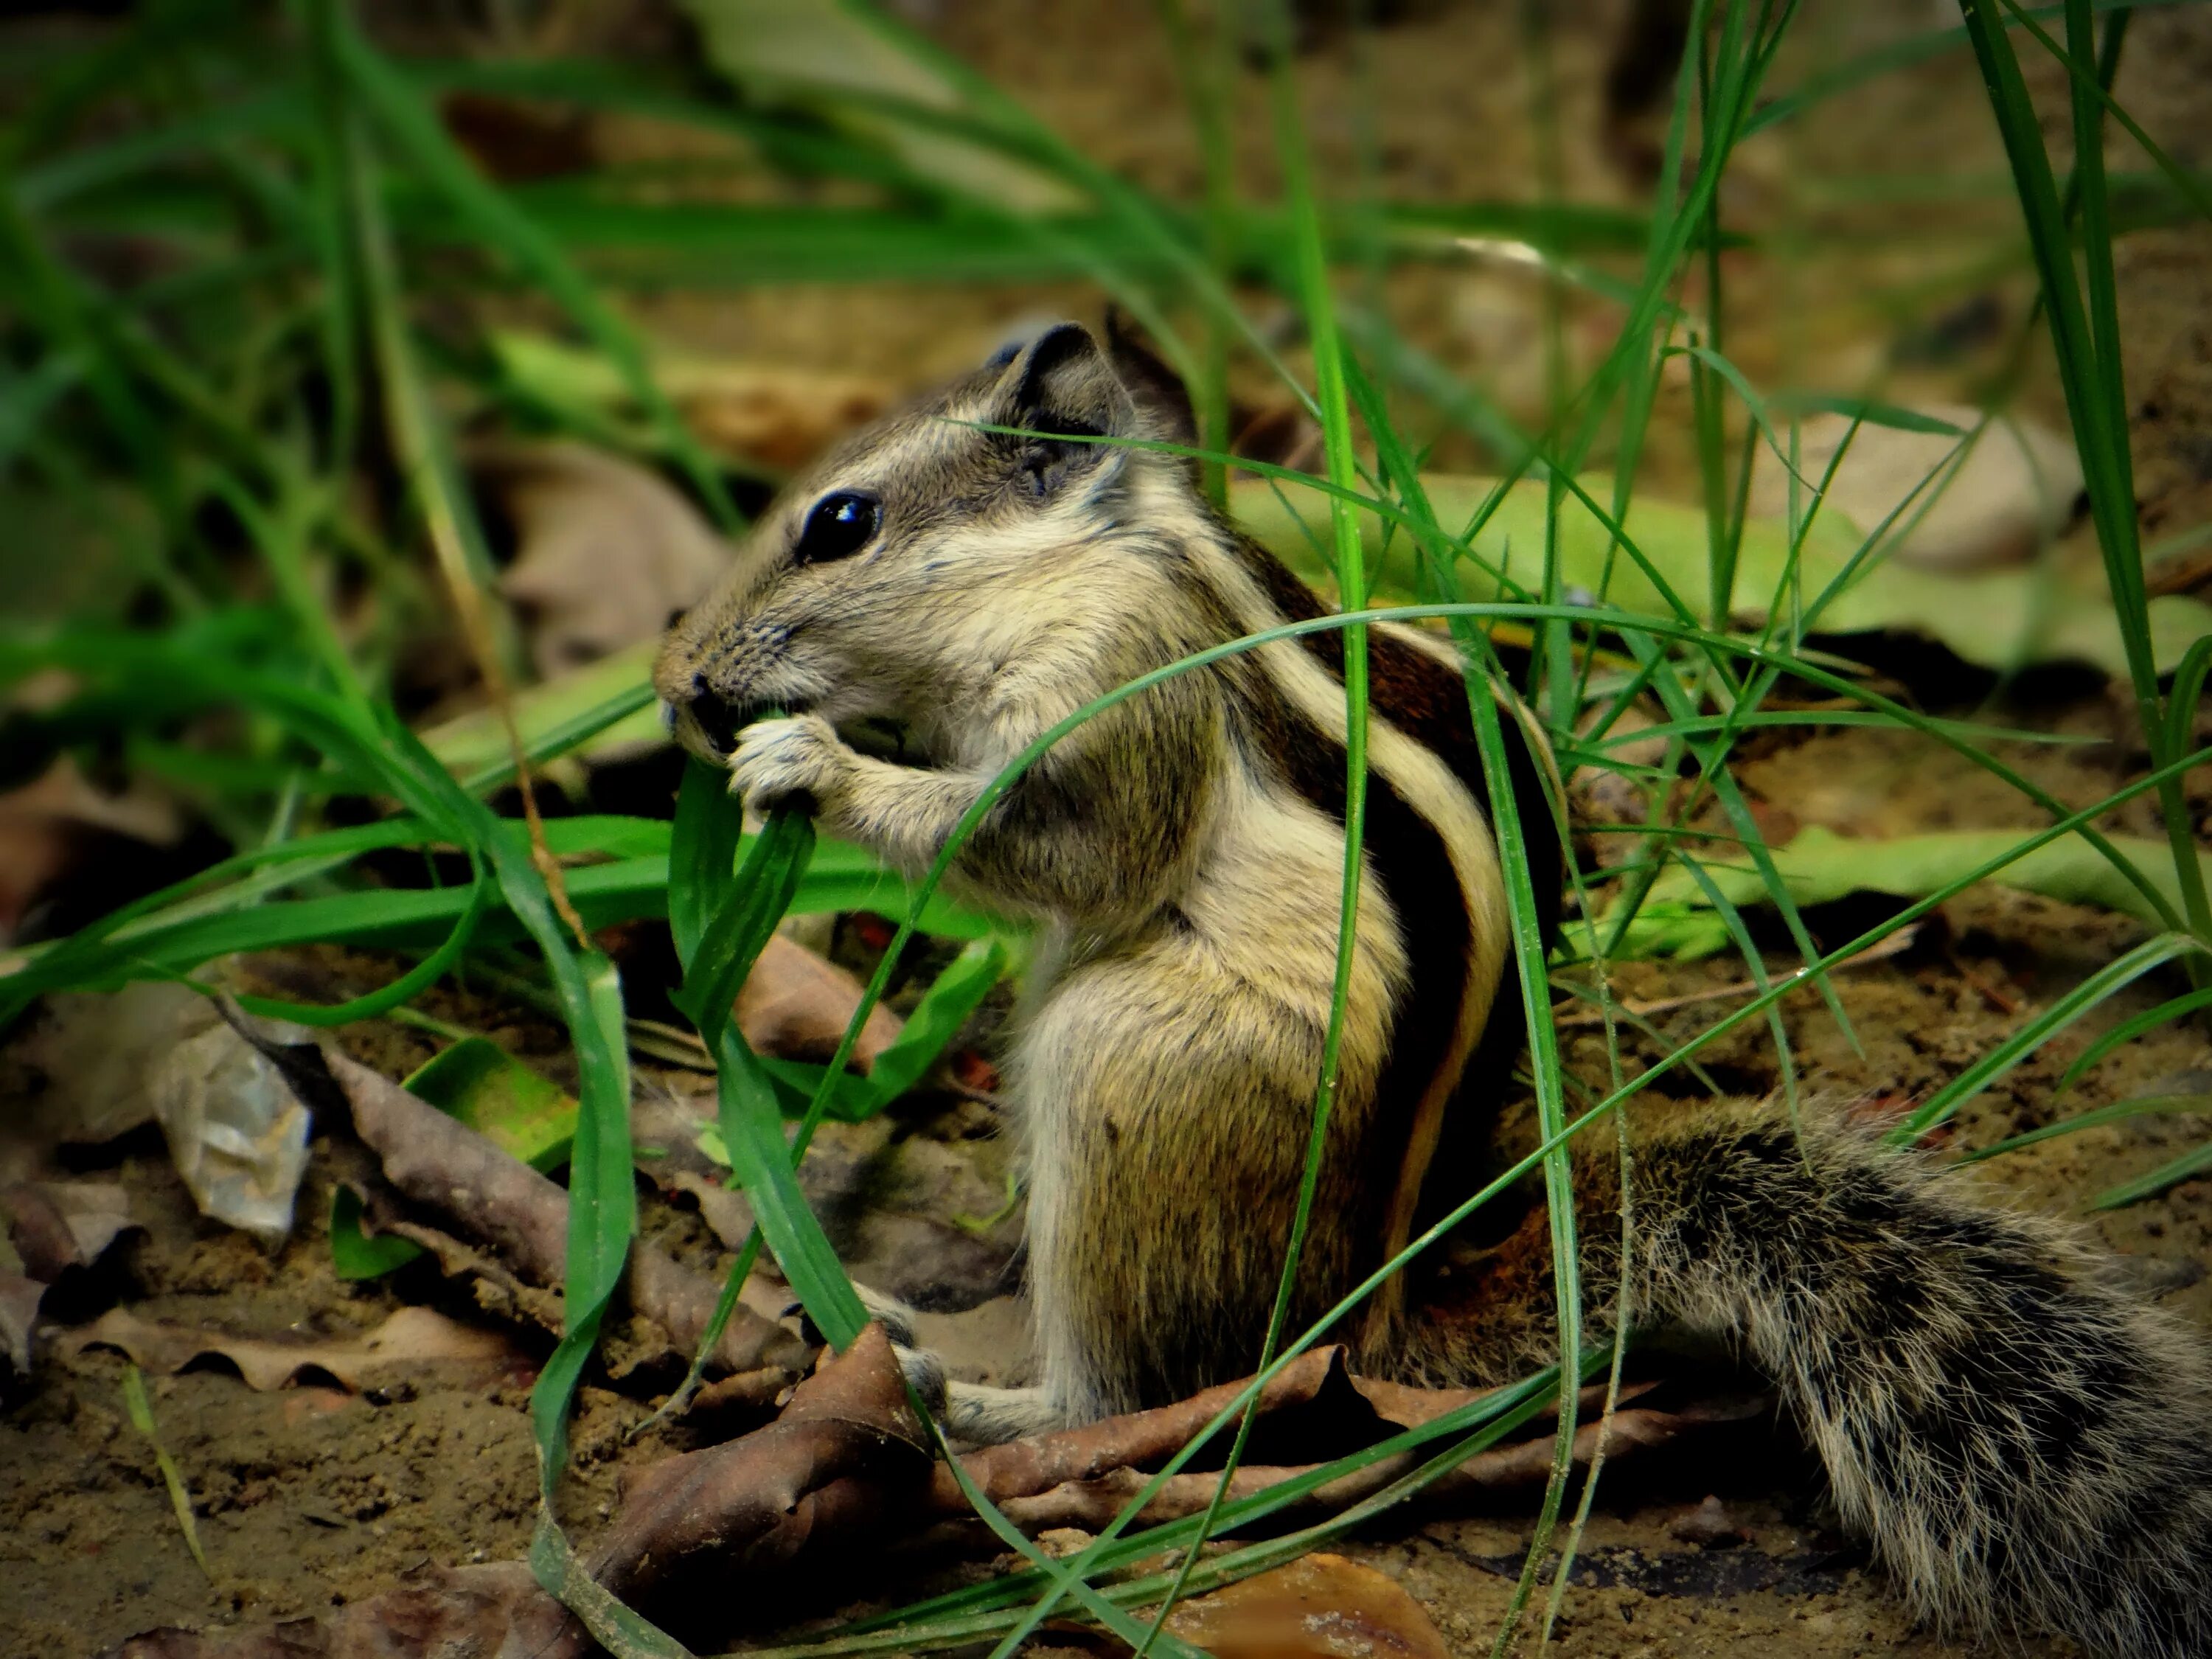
point(716, 719)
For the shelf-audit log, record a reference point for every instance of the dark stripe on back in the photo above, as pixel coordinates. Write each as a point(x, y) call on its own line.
point(1426, 699)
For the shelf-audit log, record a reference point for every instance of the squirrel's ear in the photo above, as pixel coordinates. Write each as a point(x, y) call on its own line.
point(1062, 382)
point(1160, 395)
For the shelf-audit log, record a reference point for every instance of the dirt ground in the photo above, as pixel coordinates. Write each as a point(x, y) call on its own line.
point(311, 1495)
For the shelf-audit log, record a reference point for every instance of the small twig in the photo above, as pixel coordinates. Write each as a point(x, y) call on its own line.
point(1996, 998)
point(414, 436)
point(513, 1214)
point(1896, 945)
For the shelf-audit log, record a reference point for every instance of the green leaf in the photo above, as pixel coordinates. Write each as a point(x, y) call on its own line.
point(747, 905)
point(729, 916)
point(1994, 619)
point(355, 1254)
point(479, 1083)
point(1818, 866)
point(599, 705)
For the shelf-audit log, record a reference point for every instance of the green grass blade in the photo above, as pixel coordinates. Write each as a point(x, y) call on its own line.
point(2095, 393)
point(741, 907)
point(2118, 1112)
point(2128, 1030)
point(2089, 994)
point(1331, 398)
point(414, 128)
point(952, 999)
point(2189, 1165)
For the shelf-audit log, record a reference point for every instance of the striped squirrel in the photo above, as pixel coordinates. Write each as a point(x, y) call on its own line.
point(2027, 1445)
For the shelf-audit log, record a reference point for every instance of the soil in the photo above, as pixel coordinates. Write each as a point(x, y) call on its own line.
point(309, 1495)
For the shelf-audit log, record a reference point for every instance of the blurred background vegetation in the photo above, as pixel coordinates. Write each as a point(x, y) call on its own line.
point(1817, 397)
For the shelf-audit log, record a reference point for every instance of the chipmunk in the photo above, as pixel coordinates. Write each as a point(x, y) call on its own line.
point(2025, 1444)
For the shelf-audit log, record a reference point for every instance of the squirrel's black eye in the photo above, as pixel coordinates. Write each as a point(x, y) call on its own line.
point(839, 526)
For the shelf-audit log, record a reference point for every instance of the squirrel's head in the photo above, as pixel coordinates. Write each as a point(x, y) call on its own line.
point(853, 592)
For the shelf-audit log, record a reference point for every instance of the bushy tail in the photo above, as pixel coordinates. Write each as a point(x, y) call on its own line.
point(2025, 1444)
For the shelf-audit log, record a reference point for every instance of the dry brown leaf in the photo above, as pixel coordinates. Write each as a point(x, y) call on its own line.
point(50, 1226)
point(606, 550)
point(1319, 1606)
point(96, 1054)
point(49, 825)
point(845, 1462)
point(780, 418)
point(797, 1004)
point(509, 1211)
point(19, 1315)
point(844, 1472)
point(414, 1339)
point(57, 1225)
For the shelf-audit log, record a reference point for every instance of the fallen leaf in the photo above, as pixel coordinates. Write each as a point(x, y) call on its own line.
point(96, 1054)
point(1678, 919)
point(772, 415)
point(509, 1211)
point(797, 1004)
point(477, 740)
point(1991, 505)
point(412, 1339)
point(1319, 1606)
point(845, 1473)
point(606, 550)
point(522, 1113)
point(50, 1227)
point(830, 63)
point(51, 826)
point(846, 1460)
point(478, 1083)
point(55, 1225)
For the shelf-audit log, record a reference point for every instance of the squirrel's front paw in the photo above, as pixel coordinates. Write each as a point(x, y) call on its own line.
point(798, 762)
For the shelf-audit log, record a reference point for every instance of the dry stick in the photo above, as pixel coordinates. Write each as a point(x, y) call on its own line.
point(1896, 945)
point(413, 437)
point(846, 1468)
point(523, 1217)
point(470, 601)
point(1091, 1505)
